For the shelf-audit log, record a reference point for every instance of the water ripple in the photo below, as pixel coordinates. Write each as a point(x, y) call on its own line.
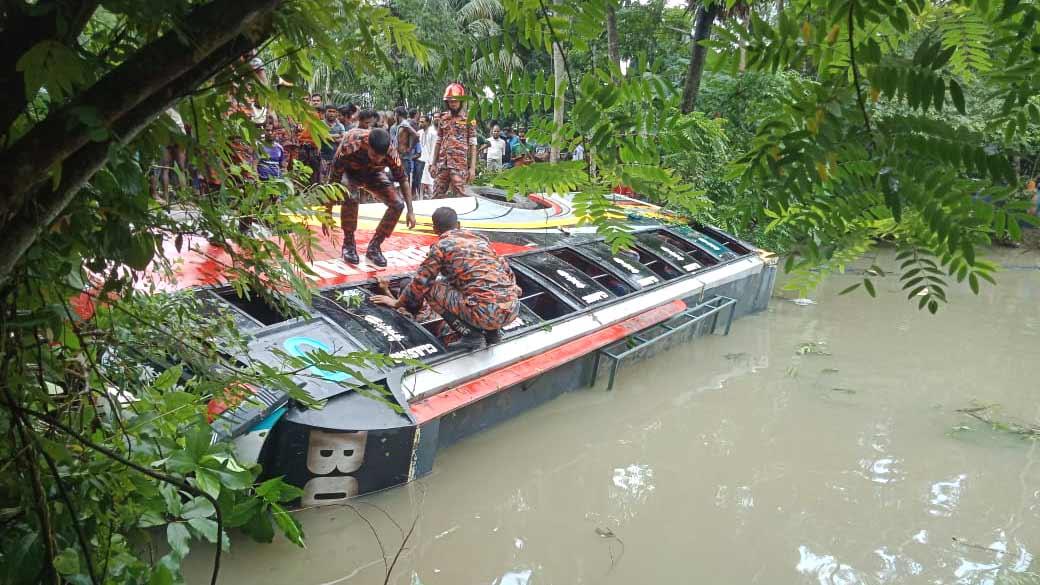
point(826, 569)
point(946, 495)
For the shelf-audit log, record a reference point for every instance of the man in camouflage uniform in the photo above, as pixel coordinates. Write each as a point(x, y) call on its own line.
point(362, 155)
point(455, 155)
point(478, 295)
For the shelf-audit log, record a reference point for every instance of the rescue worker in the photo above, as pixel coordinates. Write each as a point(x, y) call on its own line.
point(362, 156)
point(478, 295)
point(455, 155)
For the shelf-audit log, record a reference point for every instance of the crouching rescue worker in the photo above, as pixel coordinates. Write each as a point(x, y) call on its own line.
point(478, 294)
point(362, 156)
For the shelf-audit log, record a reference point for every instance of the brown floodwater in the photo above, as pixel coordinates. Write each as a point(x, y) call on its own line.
point(814, 444)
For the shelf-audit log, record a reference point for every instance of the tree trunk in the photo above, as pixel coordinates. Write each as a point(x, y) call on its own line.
point(559, 84)
point(613, 44)
point(46, 204)
point(27, 163)
point(657, 16)
point(126, 100)
point(705, 20)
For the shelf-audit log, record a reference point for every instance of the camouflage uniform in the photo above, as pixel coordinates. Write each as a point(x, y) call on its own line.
point(478, 286)
point(455, 136)
point(352, 159)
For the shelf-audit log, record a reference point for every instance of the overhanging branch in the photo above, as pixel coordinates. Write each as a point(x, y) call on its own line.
point(62, 134)
point(44, 204)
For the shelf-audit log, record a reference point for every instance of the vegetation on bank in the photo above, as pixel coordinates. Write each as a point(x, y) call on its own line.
point(818, 127)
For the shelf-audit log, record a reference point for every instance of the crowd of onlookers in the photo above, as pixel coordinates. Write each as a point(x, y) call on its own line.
point(284, 141)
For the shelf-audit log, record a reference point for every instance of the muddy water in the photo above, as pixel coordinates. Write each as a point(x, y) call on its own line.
point(815, 444)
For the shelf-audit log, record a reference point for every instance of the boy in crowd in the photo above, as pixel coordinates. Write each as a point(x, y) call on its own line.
point(328, 150)
point(497, 150)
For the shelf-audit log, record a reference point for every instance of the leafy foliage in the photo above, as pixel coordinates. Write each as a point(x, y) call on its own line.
point(867, 149)
point(104, 385)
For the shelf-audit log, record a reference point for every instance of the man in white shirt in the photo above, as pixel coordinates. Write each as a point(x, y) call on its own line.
point(427, 140)
point(496, 150)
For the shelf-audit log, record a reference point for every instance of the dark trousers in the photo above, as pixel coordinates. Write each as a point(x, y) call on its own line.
point(415, 175)
point(382, 188)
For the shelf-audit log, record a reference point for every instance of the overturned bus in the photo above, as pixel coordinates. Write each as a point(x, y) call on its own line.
point(584, 309)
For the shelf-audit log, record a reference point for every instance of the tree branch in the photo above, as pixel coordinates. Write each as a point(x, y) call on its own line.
point(174, 481)
point(154, 66)
point(855, 69)
point(45, 204)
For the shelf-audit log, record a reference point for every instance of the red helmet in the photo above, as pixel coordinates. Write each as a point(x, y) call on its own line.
point(454, 91)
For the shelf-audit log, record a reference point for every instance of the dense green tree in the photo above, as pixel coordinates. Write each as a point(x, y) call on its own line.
point(103, 388)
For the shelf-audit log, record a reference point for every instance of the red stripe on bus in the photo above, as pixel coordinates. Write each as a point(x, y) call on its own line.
point(450, 400)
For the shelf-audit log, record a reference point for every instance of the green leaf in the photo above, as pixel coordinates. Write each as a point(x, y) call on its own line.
point(168, 378)
point(171, 496)
point(51, 65)
point(869, 285)
point(67, 562)
point(259, 528)
point(850, 289)
point(151, 518)
point(290, 527)
point(198, 507)
point(275, 490)
point(957, 95)
point(205, 527)
point(181, 462)
point(179, 538)
point(139, 253)
point(207, 481)
point(161, 576)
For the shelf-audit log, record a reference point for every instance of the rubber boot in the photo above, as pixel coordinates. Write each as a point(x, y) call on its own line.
point(470, 338)
point(374, 254)
point(349, 252)
point(493, 336)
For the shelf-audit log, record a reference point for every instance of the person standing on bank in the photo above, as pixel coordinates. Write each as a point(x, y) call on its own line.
point(363, 156)
point(497, 150)
point(427, 143)
point(478, 295)
point(455, 155)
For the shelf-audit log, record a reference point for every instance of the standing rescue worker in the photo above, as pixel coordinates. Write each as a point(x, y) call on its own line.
point(455, 155)
point(478, 295)
point(362, 156)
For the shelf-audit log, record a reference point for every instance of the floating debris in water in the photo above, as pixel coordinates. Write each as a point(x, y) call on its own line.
point(792, 372)
point(844, 390)
point(735, 356)
point(803, 302)
point(813, 347)
point(990, 415)
point(829, 371)
point(607, 533)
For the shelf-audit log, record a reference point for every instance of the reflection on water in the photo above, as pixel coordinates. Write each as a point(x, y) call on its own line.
point(815, 444)
point(945, 495)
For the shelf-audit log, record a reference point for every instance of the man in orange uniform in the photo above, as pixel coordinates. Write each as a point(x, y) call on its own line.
point(362, 156)
point(455, 156)
point(478, 295)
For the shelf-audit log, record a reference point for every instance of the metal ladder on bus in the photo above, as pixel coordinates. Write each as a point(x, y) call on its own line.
point(711, 308)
